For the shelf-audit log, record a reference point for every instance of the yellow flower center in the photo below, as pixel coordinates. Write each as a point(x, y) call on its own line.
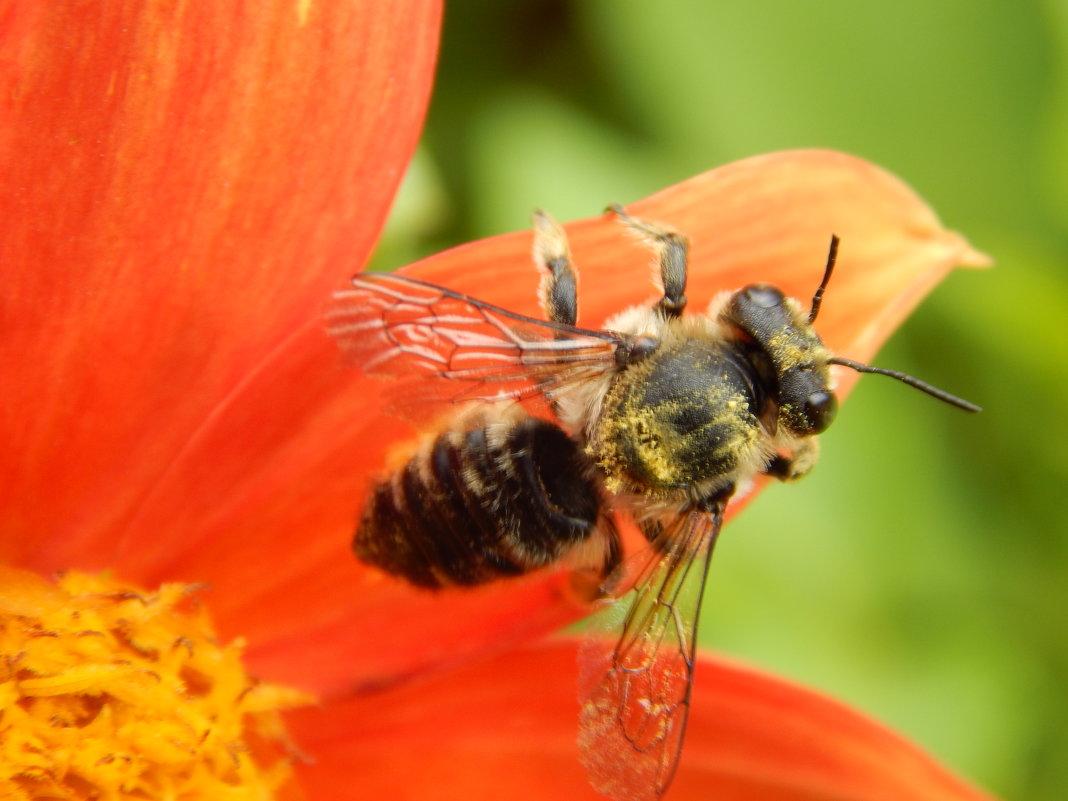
point(110, 692)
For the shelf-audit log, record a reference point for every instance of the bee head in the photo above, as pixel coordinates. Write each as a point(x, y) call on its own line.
point(795, 359)
point(797, 363)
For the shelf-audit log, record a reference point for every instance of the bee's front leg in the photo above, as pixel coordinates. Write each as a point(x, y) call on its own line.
point(798, 464)
point(671, 250)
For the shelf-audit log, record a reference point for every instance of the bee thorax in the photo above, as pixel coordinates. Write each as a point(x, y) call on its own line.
point(688, 416)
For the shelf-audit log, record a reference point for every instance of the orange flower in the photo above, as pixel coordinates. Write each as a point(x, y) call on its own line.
point(506, 728)
point(183, 187)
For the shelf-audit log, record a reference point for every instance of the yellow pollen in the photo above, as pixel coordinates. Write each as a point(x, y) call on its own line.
point(109, 692)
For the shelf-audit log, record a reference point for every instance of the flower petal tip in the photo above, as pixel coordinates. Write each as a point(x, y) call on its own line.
point(972, 258)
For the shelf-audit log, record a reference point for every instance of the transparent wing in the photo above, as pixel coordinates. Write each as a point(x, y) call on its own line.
point(399, 326)
point(635, 685)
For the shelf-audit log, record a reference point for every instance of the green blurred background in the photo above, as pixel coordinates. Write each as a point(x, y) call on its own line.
point(921, 572)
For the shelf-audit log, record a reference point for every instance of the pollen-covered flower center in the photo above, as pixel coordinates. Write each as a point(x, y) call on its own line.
point(107, 691)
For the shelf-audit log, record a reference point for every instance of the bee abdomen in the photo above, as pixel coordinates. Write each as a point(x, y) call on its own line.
point(478, 505)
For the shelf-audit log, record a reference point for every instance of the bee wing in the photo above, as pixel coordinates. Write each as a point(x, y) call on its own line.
point(399, 326)
point(635, 686)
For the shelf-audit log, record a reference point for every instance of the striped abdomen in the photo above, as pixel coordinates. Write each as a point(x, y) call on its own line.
point(495, 500)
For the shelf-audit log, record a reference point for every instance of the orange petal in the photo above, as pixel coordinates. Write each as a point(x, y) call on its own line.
point(764, 219)
point(263, 503)
point(507, 727)
point(183, 185)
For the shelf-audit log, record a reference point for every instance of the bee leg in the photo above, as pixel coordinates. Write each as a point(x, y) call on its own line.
point(597, 564)
point(797, 464)
point(558, 291)
point(671, 248)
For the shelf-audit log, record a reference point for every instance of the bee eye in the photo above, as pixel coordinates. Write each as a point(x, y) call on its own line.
point(763, 296)
point(820, 408)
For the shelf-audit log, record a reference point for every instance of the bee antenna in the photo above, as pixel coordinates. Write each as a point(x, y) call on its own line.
point(817, 298)
point(904, 378)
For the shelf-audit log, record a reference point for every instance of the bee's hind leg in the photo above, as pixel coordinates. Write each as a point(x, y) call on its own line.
point(596, 564)
point(558, 292)
point(670, 248)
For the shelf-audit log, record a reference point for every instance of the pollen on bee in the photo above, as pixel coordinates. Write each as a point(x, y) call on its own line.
point(108, 691)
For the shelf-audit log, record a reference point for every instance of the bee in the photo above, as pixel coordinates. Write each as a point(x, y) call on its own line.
point(661, 416)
